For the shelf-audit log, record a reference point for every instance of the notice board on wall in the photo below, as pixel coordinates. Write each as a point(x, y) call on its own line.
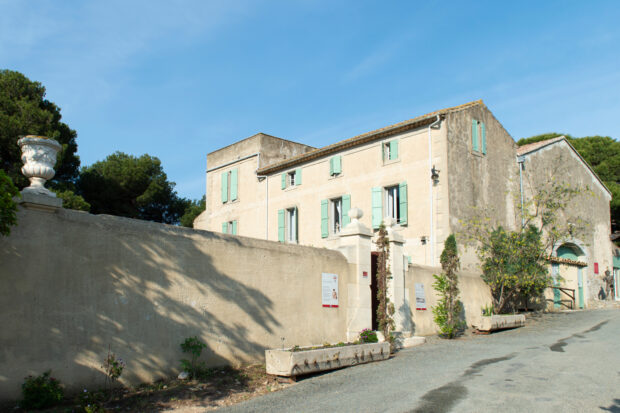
point(420, 298)
point(329, 289)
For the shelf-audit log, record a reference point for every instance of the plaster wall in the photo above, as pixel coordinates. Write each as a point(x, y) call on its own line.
point(72, 283)
point(558, 162)
point(363, 168)
point(474, 294)
point(479, 183)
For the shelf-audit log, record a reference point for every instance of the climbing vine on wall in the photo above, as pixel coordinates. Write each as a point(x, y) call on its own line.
point(385, 309)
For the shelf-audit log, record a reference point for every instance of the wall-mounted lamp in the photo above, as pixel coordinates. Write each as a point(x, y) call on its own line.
point(435, 174)
point(423, 239)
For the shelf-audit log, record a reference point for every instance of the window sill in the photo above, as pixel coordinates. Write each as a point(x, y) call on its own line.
point(478, 154)
point(391, 162)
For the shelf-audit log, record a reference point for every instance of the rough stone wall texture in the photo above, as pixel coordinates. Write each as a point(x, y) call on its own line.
point(479, 182)
point(559, 163)
point(474, 294)
point(72, 283)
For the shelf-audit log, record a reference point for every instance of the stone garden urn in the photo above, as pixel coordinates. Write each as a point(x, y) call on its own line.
point(39, 158)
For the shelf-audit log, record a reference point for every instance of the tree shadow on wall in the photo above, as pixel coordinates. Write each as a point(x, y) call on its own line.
point(163, 285)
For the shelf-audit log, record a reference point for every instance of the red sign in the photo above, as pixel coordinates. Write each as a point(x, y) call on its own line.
point(596, 268)
point(365, 274)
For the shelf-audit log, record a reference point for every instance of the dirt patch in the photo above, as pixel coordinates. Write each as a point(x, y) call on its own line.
point(222, 387)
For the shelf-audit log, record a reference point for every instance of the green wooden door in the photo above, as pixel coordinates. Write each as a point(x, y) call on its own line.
point(580, 286)
point(557, 299)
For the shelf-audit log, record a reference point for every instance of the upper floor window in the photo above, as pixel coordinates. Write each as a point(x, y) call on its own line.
point(390, 150)
point(292, 178)
point(389, 202)
point(335, 165)
point(478, 137)
point(230, 185)
point(335, 215)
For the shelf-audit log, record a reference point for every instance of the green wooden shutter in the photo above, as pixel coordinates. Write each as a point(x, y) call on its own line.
point(296, 225)
point(225, 227)
point(234, 228)
point(284, 180)
point(474, 135)
point(331, 166)
point(394, 149)
point(337, 165)
point(346, 205)
point(377, 207)
point(324, 218)
point(483, 132)
point(402, 200)
point(298, 176)
point(281, 225)
point(233, 184)
point(224, 186)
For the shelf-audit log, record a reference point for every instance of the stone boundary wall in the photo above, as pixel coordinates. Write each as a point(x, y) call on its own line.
point(474, 294)
point(72, 284)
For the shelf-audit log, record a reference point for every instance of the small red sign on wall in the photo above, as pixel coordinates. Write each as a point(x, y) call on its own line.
point(365, 274)
point(596, 268)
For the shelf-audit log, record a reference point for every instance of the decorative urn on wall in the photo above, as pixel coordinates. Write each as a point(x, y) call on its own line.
point(39, 158)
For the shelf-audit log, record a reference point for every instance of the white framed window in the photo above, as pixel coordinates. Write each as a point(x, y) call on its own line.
point(291, 225)
point(390, 150)
point(392, 204)
point(290, 178)
point(336, 215)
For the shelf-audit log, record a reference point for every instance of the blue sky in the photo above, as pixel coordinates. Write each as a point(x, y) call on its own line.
point(179, 79)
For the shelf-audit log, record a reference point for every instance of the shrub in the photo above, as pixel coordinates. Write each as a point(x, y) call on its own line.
point(113, 368)
point(8, 208)
point(368, 336)
point(41, 391)
point(447, 312)
point(193, 346)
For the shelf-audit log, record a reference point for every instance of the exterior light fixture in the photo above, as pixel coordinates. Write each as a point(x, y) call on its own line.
point(423, 239)
point(435, 174)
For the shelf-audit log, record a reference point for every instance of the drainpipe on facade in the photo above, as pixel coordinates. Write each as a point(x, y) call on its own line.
point(430, 166)
point(520, 161)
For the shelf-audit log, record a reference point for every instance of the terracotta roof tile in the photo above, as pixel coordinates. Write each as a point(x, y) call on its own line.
point(530, 147)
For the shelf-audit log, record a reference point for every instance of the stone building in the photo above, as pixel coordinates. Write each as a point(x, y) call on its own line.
point(424, 177)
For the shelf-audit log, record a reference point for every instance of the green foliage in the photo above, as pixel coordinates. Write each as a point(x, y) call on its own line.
point(194, 208)
point(131, 187)
point(447, 312)
point(70, 200)
point(368, 336)
point(514, 267)
point(8, 208)
point(90, 402)
point(25, 111)
point(41, 392)
point(602, 153)
point(487, 310)
point(194, 347)
point(385, 309)
point(113, 368)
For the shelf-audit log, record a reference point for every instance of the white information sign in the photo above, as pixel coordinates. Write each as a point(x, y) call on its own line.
point(420, 298)
point(330, 290)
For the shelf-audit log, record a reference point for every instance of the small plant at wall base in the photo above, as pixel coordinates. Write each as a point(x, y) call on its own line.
point(113, 368)
point(385, 309)
point(368, 336)
point(194, 347)
point(41, 392)
point(447, 312)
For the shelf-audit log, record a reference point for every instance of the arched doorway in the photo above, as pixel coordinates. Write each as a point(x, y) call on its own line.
point(573, 260)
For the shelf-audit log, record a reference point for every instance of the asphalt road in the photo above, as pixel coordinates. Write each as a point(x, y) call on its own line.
point(565, 362)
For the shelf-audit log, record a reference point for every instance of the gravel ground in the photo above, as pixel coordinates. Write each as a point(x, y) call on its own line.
point(559, 362)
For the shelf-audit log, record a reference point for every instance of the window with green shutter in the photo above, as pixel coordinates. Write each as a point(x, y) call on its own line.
point(402, 201)
point(324, 218)
point(281, 225)
point(225, 227)
point(377, 207)
point(234, 184)
point(390, 150)
point(298, 176)
point(474, 135)
point(224, 187)
point(283, 176)
point(335, 165)
point(234, 227)
point(483, 135)
point(346, 206)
